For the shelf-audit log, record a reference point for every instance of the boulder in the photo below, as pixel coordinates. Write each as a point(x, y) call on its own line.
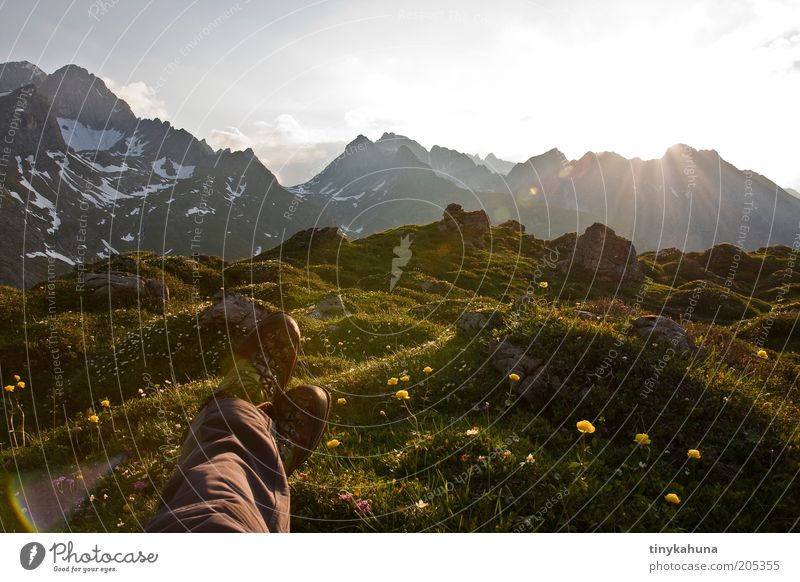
point(658, 327)
point(331, 306)
point(564, 245)
point(512, 225)
point(507, 358)
point(469, 226)
point(126, 289)
point(603, 254)
point(475, 322)
point(586, 314)
point(314, 236)
point(233, 313)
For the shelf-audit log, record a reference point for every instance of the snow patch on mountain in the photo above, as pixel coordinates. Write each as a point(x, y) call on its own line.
point(109, 250)
point(83, 138)
point(135, 146)
point(52, 254)
point(201, 211)
point(112, 169)
point(41, 202)
point(353, 197)
point(180, 172)
point(234, 193)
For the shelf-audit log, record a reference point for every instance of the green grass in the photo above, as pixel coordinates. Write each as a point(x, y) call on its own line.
point(464, 453)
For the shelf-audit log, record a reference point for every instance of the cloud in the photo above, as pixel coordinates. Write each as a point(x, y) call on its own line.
point(295, 164)
point(142, 98)
point(230, 137)
point(368, 119)
point(293, 152)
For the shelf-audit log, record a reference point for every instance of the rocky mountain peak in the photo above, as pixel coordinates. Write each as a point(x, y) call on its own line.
point(19, 73)
point(79, 95)
point(404, 157)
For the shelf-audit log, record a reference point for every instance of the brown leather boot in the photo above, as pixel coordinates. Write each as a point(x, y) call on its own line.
point(264, 361)
point(300, 416)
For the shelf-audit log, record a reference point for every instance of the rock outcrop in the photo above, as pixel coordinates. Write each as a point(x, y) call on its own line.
point(126, 289)
point(475, 322)
point(512, 225)
point(534, 385)
point(602, 253)
point(331, 306)
point(658, 327)
point(470, 226)
point(314, 236)
point(232, 313)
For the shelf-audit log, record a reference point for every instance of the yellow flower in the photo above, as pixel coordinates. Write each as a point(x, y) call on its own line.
point(20, 385)
point(672, 498)
point(543, 285)
point(341, 401)
point(10, 388)
point(585, 426)
point(642, 439)
point(402, 395)
point(333, 443)
point(392, 381)
point(105, 403)
point(762, 354)
point(427, 369)
point(693, 454)
point(405, 378)
point(17, 378)
point(93, 418)
point(513, 377)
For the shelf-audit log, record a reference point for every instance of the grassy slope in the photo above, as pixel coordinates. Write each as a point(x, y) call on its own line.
point(741, 411)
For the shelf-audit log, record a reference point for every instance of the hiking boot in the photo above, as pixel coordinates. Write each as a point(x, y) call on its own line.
point(300, 416)
point(263, 362)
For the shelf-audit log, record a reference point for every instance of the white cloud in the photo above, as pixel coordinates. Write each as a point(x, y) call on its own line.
point(142, 98)
point(230, 137)
point(369, 119)
point(293, 152)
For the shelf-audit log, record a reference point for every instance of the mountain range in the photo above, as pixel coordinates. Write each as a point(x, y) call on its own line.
point(82, 177)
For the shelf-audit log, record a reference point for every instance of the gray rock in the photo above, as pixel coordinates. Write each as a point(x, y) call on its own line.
point(126, 289)
point(512, 225)
point(535, 388)
point(600, 252)
point(666, 330)
point(470, 226)
point(232, 312)
point(305, 238)
point(474, 322)
point(586, 314)
point(507, 358)
point(331, 306)
point(535, 385)
point(562, 246)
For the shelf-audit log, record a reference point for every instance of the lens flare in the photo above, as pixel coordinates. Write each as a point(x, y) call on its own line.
point(41, 504)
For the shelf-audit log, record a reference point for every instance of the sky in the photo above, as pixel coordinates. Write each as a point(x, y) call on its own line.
point(298, 80)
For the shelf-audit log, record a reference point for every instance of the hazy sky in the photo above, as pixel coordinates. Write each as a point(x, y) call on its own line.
point(297, 80)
